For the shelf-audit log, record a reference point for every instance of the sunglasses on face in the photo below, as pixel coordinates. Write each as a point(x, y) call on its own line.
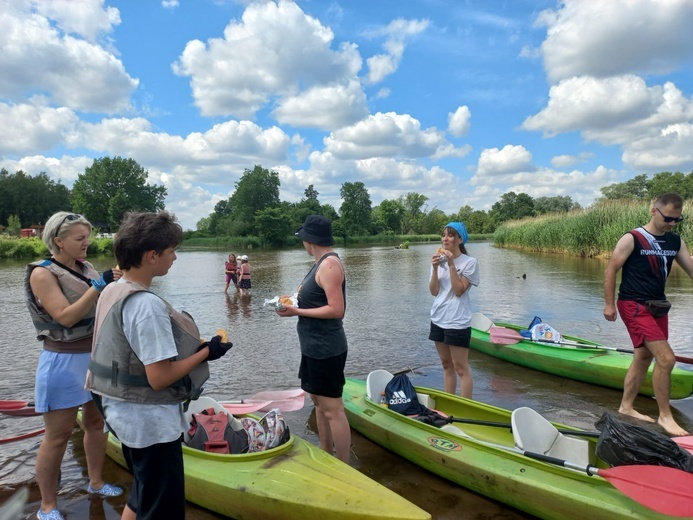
point(669, 219)
point(71, 217)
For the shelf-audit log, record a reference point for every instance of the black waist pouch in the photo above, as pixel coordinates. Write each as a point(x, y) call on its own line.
point(658, 308)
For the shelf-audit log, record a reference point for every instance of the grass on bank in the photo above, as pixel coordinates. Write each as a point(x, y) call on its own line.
point(590, 232)
point(33, 247)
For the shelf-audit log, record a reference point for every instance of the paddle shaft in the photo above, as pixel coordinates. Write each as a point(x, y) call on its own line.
point(22, 436)
point(578, 433)
point(662, 489)
point(680, 359)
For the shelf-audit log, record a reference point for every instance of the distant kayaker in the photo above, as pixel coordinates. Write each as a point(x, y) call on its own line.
point(146, 361)
point(321, 306)
point(453, 272)
point(61, 295)
point(646, 255)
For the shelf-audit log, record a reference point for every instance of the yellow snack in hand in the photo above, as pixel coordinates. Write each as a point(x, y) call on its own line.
point(223, 334)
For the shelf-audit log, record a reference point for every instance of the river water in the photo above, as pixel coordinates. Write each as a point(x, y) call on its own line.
point(386, 322)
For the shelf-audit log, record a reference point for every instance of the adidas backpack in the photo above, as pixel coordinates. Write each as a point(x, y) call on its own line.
point(401, 396)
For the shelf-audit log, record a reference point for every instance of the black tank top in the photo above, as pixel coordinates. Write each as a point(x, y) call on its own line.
point(645, 272)
point(319, 338)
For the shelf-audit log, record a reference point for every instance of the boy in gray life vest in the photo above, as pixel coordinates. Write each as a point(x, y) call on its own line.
point(146, 361)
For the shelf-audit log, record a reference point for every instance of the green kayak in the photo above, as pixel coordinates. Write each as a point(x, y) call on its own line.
point(294, 481)
point(590, 365)
point(468, 458)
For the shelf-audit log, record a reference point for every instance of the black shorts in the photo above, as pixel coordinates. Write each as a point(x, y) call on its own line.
point(158, 489)
point(323, 377)
point(452, 337)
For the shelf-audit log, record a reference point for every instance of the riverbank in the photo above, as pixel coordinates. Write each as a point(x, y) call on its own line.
point(33, 247)
point(592, 232)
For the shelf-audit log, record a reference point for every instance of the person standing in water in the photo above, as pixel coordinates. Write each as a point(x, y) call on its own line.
point(453, 272)
point(231, 271)
point(61, 294)
point(646, 255)
point(321, 307)
point(244, 275)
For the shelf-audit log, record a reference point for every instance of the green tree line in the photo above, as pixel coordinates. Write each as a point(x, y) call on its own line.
point(254, 209)
point(111, 186)
point(103, 193)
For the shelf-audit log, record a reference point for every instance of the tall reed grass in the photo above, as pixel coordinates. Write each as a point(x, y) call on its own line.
point(590, 232)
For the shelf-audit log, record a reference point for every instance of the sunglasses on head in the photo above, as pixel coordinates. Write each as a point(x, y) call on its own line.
point(70, 217)
point(669, 219)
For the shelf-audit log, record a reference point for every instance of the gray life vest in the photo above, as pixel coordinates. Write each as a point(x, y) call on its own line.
point(73, 288)
point(115, 371)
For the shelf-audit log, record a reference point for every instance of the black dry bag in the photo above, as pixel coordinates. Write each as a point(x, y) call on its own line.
point(621, 443)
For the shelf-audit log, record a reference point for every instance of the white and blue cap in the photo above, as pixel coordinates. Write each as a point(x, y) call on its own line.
point(460, 229)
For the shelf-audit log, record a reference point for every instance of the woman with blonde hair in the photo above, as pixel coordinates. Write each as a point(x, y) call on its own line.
point(61, 293)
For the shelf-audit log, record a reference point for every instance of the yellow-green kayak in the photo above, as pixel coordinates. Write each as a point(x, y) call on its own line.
point(470, 459)
point(296, 480)
point(589, 364)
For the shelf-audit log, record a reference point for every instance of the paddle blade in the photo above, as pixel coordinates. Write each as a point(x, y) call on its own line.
point(503, 336)
point(28, 411)
point(481, 322)
point(286, 400)
point(244, 407)
point(12, 405)
point(686, 442)
point(662, 489)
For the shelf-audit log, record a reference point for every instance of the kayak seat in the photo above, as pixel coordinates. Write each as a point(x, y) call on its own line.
point(481, 322)
point(203, 403)
point(454, 429)
point(534, 433)
point(376, 383)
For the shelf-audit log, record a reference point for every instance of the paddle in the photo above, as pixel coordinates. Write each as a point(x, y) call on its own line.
point(286, 400)
point(579, 433)
point(17, 408)
point(660, 488)
point(29, 411)
point(22, 436)
point(686, 442)
point(505, 336)
point(12, 405)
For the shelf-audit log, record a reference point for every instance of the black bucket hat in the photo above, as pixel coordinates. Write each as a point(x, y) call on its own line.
point(317, 230)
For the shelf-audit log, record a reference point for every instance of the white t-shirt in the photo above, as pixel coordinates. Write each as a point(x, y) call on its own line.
point(450, 311)
point(147, 326)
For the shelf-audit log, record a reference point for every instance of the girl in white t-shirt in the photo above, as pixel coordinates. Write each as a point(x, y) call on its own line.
point(453, 272)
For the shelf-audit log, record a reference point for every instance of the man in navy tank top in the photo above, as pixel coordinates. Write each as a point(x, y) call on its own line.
point(646, 255)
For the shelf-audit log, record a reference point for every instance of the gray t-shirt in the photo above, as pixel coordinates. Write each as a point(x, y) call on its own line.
point(147, 326)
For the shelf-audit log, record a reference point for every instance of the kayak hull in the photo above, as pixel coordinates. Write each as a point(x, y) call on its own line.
point(590, 365)
point(541, 489)
point(296, 480)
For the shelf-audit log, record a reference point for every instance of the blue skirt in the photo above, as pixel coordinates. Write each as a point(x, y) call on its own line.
point(60, 381)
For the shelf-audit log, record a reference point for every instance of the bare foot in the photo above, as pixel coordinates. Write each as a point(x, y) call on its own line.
point(637, 415)
point(671, 427)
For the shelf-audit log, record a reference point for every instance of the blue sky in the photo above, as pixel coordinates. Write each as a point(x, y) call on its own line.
point(461, 101)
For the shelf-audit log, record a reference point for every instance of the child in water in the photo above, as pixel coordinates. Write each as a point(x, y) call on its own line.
point(244, 275)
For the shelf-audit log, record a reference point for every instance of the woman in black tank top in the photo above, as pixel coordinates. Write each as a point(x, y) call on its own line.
point(321, 306)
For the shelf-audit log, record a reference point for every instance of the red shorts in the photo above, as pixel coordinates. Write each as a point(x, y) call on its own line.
point(641, 325)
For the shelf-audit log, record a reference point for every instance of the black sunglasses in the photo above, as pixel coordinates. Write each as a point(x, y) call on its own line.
point(70, 217)
point(669, 219)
